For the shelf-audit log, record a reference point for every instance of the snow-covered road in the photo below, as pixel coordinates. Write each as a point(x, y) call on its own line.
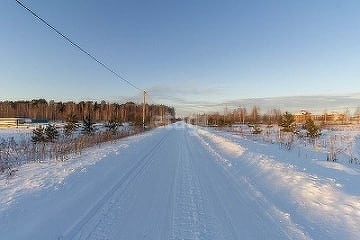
point(173, 183)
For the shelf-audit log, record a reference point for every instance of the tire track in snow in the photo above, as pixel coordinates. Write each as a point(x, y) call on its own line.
point(76, 231)
point(190, 218)
point(168, 232)
point(210, 191)
point(281, 220)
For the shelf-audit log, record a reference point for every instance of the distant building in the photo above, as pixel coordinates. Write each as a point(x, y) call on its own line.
point(13, 122)
point(335, 118)
point(332, 118)
point(355, 119)
point(302, 116)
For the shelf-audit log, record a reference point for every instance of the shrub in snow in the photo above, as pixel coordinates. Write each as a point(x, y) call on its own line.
point(47, 134)
point(14, 153)
point(51, 133)
point(88, 126)
point(38, 135)
point(287, 140)
point(71, 125)
point(313, 131)
point(112, 126)
point(288, 122)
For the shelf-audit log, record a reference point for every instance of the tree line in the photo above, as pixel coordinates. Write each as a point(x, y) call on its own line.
point(240, 115)
point(40, 109)
point(254, 118)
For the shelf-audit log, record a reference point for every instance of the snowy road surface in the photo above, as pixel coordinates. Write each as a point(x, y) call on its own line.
point(174, 183)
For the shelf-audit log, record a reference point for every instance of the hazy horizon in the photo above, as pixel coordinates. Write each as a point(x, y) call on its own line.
point(183, 107)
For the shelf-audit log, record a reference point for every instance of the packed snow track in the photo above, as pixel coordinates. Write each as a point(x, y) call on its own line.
point(168, 184)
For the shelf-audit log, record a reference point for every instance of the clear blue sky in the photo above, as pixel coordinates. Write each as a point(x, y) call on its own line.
point(194, 50)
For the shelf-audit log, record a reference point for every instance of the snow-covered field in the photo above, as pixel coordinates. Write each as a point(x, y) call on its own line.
point(320, 196)
point(184, 182)
point(18, 134)
point(25, 133)
point(342, 140)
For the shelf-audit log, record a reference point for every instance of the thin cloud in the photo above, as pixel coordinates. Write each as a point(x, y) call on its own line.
point(317, 103)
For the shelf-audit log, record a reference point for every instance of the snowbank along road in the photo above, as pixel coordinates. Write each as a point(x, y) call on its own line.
point(181, 182)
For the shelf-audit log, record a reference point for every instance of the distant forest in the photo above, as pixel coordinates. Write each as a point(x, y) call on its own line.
point(40, 109)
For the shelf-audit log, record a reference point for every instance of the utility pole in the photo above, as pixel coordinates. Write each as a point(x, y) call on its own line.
point(162, 115)
point(243, 115)
point(224, 115)
point(143, 120)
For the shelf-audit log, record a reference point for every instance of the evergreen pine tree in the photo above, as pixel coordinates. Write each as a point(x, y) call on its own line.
point(71, 125)
point(38, 135)
point(51, 133)
point(313, 131)
point(288, 122)
point(88, 126)
point(112, 126)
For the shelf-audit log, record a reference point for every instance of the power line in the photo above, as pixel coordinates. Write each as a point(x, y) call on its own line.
point(77, 46)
